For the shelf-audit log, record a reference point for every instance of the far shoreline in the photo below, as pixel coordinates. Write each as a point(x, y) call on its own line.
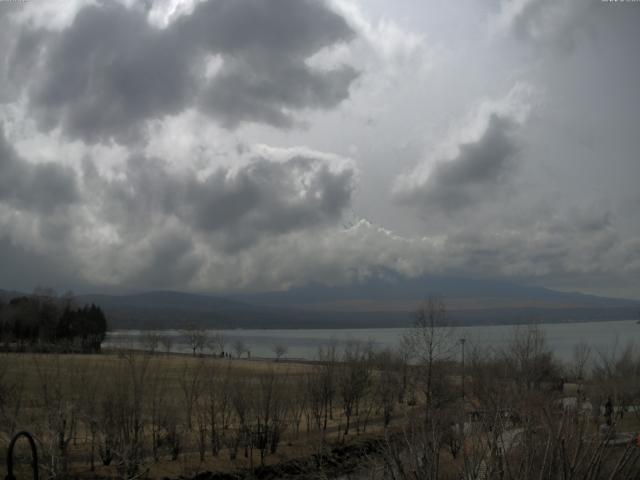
point(380, 327)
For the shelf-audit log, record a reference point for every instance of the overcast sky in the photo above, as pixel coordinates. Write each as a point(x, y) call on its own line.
point(233, 145)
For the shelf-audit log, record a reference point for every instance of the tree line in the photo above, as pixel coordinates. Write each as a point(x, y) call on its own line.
point(45, 322)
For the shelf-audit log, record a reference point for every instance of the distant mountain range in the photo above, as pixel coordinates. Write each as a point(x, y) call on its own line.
point(384, 300)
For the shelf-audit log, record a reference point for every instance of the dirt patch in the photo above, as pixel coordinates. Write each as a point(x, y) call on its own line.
point(338, 461)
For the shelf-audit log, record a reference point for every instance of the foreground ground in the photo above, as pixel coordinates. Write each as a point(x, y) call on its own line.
point(183, 415)
point(515, 413)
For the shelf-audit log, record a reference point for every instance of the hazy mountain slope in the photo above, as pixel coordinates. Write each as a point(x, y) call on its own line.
point(166, 300)
point(384, 300)
point(390, 288)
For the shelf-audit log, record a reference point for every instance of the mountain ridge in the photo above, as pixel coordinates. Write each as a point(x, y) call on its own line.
point(383, 300)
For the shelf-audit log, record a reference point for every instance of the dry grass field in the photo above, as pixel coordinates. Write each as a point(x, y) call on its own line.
point(129, 414)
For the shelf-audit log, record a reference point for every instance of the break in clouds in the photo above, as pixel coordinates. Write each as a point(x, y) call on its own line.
point(224, 145)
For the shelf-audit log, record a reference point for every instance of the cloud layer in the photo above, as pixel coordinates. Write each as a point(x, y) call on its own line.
point(223, 145)
point(110, 70)
point(43, 187)
point(146, 222)
point(239, 206)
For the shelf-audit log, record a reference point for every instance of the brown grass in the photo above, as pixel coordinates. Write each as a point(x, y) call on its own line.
point(77, 375)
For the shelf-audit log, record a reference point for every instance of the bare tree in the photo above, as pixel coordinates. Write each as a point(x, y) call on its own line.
point(173, 430)
point(323, 393)
point(317, 404)
point(61, 407)
point(299, 403)
point(242, 406)
point(531, 358)
point(202, 426)
point(158, 401)
point(425, 436)
point(520, 431)
point(218, 403)
point(11, 398)
point(150, 341)
point(387, 384)
point(279, 351)
point(353, 380)
point(269, 412)
point(125, 421)
point(191, 383)
point(403, 354)
point(430, 341)
point(195, 337)
point(216, 344)
point(580, 361)
point(90, 394)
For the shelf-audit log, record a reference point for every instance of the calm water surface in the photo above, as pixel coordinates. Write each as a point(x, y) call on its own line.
point(561, 337)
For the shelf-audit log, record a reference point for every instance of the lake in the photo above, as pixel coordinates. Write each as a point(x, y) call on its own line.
point(300, 343)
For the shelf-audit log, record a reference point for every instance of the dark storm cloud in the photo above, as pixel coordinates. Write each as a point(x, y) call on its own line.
point(260, 91)
point(111, 69)
point(169, 260)
point(270, 196)
point(23, 268)
point(39, 187)
point(98, 80)
point(107, 72)
point(296, 28)
point(266, 44)
point(263, 197)
point(474, 175)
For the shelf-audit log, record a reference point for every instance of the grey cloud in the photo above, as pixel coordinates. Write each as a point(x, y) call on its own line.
point(539, 250)
point(272, 197)
point(111, 70)
point(588, 220)
point(265, 73)
point(245, 91)
point(563, 242)
point(263, 197)
point(475, 174)
point(297, 28)
point(24, 48)
point(271, 224)
point(8, 33)
point(23, 268)
point(145, 191)
point(561, 24)
point(162, 242)
point(169, 260)
point(41, 187)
